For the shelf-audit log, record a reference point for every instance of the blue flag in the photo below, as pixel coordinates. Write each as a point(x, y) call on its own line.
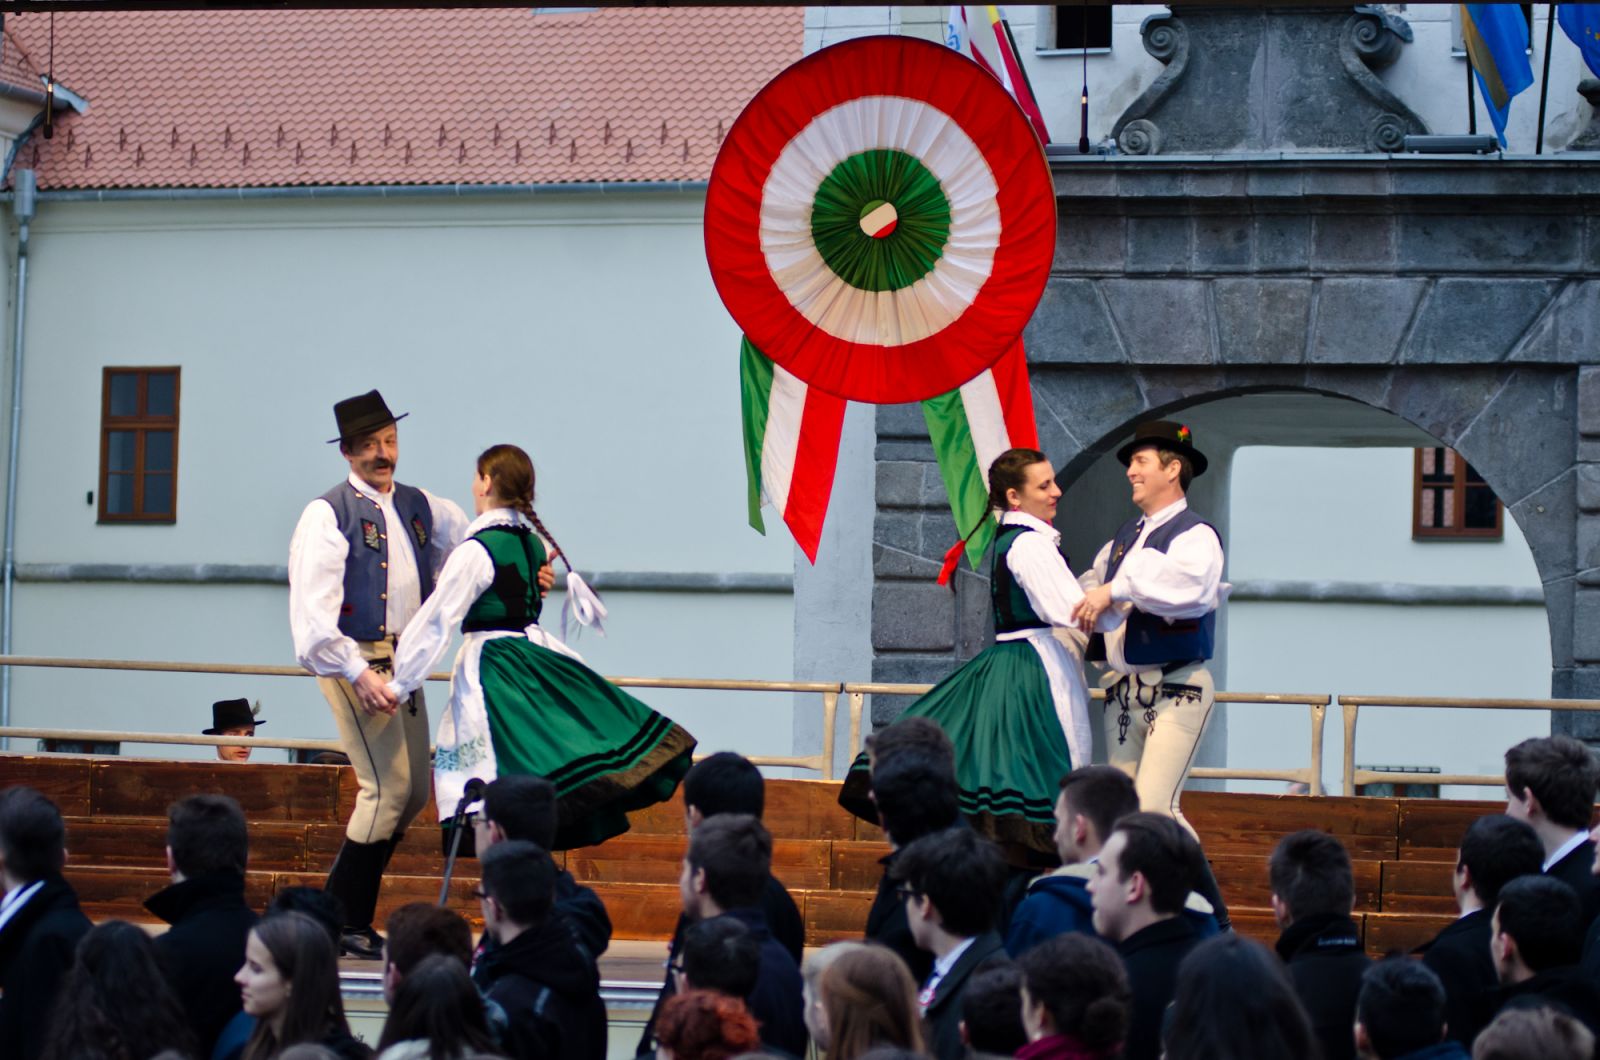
point(1581, 22)
point(1496, 36)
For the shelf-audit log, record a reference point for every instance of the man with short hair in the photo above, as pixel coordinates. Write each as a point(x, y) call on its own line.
point(208, 845)
point(1313, 895)
point(1495, 850)
point(233, 717)
point(724, 874)
point(991, 1011)
point(1400, 1014)
point(1551, 783)
point(1061, 978)
point(916, 795)
point(417, 931)
point(721, 954)
point(40, 922)
point(1536, 943)
point(1145, 872)
point(548, 987)
point(952, 883)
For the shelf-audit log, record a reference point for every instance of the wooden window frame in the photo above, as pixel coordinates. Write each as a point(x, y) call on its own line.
point(1458, 488)
point(139, 425)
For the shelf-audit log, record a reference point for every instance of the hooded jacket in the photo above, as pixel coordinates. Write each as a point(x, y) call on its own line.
point(1059, 902)
point(550, 991)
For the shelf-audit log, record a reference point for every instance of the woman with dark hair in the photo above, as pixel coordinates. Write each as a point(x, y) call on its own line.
point(1235, 1002)
point(869, 1000)
point(115, 1003)
point(1075, 1000)
point(520, 700)
point(437, 1014)
point(290, 983)
point(702, 1025)
point(1019, 711)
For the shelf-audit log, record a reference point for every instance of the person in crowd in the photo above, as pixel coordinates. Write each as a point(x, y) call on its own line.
point(313, 902)
point(1145, 872)
point(1536, 939)
point(436, 1014)
point(1019, 710)
point(234, 717)
point(1551, 782)
point(916, 795)
point(702, 1025)
point(868, 1000)
point(1235, 1002)
point(724, 874)
point(40, 922)
point(537, 972)
point(1534, 1034)
point(208, 845)
point(1092, 800)
point(1400, 1014)
point(951, 882)
point(1075, 1000)
point(417, 931)
point(521, 701)
point(1313, 895)
point(811, 969)
point(721, 954)
point(524, 807)
point(991, 1011)
point(290, 983)
point(729, 783)
point(909, 732)
point(1495, 850)
point(115, 1003)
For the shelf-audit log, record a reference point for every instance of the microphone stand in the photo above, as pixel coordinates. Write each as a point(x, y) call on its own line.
point(472, 794)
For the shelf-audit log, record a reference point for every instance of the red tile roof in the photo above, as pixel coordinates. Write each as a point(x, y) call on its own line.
point(17, 68)
point(271, 98)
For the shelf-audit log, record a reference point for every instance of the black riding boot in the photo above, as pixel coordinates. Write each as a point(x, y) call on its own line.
point(354, 879)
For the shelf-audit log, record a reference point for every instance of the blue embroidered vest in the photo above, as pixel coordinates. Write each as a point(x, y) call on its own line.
point(363, 615)
point(1012, 610)
point(1150, 639)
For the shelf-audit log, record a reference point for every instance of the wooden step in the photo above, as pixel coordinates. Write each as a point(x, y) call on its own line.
point(645, 858)
point(1244, 880)
point(1419, 887)
point(1431, 829)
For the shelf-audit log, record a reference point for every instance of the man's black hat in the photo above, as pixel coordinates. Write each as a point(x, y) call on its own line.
point(363, 414)
point(1169, 435)
point(231, 714)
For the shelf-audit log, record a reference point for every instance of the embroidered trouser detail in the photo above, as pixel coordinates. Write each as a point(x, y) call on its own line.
point(1158, 753)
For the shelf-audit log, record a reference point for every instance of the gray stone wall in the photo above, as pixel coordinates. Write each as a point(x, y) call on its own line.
point(1462, 295)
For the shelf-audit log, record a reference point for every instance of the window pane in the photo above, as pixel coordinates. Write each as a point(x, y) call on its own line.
point(124, 394)
point(157, 495)
point(119, 494)
point(161, 394)
point(119, 451)
point(1081, 25)
point(1480, 509)
point(158, 450)
point(1472, 474)
point(1436, 466)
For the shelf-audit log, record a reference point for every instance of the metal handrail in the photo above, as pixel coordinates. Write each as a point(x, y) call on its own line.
point(1351, 706)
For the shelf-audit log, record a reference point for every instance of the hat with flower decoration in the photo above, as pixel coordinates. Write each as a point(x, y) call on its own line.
point(1166, 434)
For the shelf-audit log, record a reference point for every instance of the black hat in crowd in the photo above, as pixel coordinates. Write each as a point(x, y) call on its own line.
point(231, 714)
point(1169, 435)
point(363, 414)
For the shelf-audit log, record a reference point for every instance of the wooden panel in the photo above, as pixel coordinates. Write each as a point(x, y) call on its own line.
point(1429, 826)
point(1418, 887)
point(856, 865)
point(142, 841)
point(421, 852)
point(665, 818)
point(1244, 882)
point(870, 832)
point(642, 910)
point(647, 858)
point(1402, 932)
point(266, 792)
point(120, 892)
point(64, 779)
point(834, 915)
point(1255, 923)
point(807, 809)
point(1279, 815)
point(1258, 842)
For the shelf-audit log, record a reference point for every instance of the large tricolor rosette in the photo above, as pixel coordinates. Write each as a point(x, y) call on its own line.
point(880, 220)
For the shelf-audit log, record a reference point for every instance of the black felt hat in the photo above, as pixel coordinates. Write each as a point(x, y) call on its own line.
point(363, 414)
point(1169, 435)
point(231, 714)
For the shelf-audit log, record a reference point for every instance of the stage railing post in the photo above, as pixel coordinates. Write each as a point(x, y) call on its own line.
point(1319, 717)
point(1350, 710)
point(858, 702)
point(830, 711)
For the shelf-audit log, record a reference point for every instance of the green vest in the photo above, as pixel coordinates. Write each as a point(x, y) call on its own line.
point(512, 600)
point(1012, 611)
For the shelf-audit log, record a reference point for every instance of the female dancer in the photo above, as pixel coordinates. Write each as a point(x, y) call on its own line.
point(1018, 713)
point(520, 700)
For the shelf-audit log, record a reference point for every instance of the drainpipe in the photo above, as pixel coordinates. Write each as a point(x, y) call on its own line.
point(22, 207)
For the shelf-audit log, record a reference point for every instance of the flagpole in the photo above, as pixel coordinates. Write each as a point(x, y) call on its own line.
point(1544, 82)
point(1022, 69)
point(1472, 101)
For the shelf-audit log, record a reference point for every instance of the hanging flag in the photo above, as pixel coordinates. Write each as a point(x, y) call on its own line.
point(791, 446)
point(1496, 37)
point(998, 56)
point(1581, 22)
point(970, 427)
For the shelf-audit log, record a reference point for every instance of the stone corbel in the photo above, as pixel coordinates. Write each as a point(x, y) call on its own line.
point(1372, 40)
point(1167, 40)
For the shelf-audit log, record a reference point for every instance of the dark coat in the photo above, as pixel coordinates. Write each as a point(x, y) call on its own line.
point(887, 925)
point(1152, 956)
point(204, 948)
point(36, 950)
point(1576, 870)
point(1459, 956)
point(775, 1002)
point(1326, 962)
point(550, 990)
point(1449, 1049)
point(1060, 903)
point(585, 913)
point(943, 1014)
point(1566, 988)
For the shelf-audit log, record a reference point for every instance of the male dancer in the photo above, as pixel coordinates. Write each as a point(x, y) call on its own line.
point(363, 558)
point(1153, 594)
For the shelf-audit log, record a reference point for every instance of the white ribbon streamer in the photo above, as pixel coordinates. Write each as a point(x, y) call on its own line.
point(582, 604)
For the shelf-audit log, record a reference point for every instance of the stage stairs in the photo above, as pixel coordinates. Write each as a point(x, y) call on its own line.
point(1403, 849)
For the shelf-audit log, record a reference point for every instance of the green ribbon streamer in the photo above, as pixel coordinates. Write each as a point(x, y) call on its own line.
point(905, 255)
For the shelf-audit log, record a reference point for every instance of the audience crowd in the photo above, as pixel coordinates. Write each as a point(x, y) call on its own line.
point(967, 954)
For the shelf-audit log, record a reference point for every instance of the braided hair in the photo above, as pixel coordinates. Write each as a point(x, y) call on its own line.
point(510, 474)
